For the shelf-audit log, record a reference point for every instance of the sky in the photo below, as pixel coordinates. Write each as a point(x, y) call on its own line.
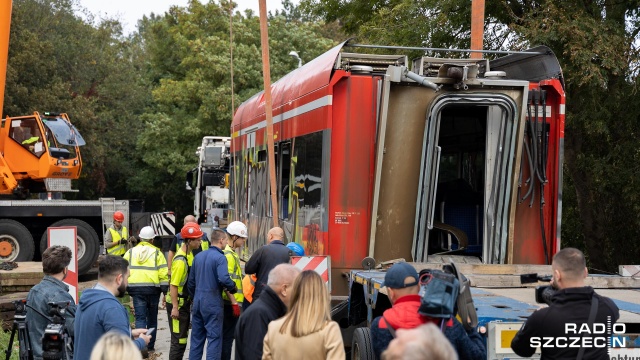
point(130, 11)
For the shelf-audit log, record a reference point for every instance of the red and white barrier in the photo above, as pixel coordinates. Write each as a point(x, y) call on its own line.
point(66, 236)
point(318, 263)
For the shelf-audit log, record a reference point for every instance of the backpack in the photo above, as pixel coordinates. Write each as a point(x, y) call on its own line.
point(438, 294)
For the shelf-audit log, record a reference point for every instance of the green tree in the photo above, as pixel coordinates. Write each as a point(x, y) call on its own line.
point(60, 62)
point(188, 56)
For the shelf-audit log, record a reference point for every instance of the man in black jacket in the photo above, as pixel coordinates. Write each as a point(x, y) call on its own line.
point(557, 328)
point(253, 323)
point(266, 258)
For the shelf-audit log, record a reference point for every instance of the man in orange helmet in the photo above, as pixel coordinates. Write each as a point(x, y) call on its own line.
point(178, 301)
point(116, 238)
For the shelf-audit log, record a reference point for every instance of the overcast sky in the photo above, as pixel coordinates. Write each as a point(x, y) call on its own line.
point(130, 11)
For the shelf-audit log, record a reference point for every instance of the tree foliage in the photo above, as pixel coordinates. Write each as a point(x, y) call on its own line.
point(188, 56)
point(144, 101)
point(60, 62)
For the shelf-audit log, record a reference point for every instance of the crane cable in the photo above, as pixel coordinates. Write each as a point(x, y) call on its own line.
point(233, 164)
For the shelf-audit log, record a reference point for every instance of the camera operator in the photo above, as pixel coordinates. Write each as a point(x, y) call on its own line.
point(55, 262)
point(569, 308)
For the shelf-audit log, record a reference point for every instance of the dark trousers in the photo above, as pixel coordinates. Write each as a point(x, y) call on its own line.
point(146, 308)
point(179, 331)
point(228, 331)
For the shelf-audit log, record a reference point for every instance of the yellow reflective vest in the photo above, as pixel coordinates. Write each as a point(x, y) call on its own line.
point(233, 263)
point(116, 236)
point(147, 265)
point(204, 245)
point(179, 273)
point(31, 140)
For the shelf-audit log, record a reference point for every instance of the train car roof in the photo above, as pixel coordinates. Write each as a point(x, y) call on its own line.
point(310, 77)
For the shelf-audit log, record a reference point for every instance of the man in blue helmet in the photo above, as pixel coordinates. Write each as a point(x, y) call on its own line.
point(208, 278)
point(296, 248)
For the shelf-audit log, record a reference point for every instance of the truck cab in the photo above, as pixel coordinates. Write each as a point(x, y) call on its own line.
point(209, 181)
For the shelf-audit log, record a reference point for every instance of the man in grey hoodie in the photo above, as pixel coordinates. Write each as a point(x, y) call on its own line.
point(99, 311)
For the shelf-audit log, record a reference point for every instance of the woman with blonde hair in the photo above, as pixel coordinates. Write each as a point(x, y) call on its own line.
point(306, 332)
point(115, 346)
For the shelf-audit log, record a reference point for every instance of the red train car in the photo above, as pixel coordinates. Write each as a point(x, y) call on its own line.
point(376, 157)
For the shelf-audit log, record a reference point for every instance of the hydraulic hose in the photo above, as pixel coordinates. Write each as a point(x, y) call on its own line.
point(544, 142)
point(530, 163)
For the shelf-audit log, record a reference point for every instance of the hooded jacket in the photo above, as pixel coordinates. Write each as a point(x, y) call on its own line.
point(404, 315)
point(99, 312)
point(149, 272)
point(571, 305)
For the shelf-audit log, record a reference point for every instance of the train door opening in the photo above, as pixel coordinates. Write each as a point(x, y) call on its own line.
point(465, 177)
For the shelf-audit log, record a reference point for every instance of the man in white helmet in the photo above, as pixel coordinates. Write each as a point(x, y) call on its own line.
point(147, 279)
point(237, 232)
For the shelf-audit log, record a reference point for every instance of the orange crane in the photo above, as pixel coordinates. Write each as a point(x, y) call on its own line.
point(37, 153)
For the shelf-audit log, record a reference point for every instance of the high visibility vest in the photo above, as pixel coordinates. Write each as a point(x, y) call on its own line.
point(233, 263)
point(248, 286)
point(180, 268)
point(204, 245)
point(120, 249)
point(148, 266)
point(31, 140)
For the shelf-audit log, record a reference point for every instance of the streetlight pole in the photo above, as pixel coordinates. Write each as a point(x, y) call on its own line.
point(295, 55)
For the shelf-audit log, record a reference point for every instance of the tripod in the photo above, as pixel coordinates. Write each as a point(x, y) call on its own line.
point(20, 325)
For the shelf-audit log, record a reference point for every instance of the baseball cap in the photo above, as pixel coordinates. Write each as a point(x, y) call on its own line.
point(397, 273)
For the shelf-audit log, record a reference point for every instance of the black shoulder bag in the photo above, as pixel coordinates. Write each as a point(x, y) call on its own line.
point(592, 318)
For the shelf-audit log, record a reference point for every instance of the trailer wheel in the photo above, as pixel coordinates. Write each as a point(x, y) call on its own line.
point(87, 240)
point(16, 242)
point(361, 347)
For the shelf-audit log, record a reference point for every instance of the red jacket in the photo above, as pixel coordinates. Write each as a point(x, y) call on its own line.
point(404, 314)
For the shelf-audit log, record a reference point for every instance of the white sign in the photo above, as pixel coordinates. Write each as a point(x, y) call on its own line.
point(66, 236)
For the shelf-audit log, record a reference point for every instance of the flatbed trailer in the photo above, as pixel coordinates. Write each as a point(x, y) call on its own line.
point(502, 303)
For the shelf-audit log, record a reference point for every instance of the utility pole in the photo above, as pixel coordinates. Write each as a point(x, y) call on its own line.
point(477, 27)
point(266, 72)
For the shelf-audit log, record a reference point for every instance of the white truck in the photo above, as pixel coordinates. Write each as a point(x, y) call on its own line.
point(209, 180)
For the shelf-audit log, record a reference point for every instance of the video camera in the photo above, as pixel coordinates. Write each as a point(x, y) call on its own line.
point(544, 293)
point(56, 342)
point(21, 307)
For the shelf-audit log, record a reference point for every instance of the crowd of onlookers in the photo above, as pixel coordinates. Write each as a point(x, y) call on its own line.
point(271, 310)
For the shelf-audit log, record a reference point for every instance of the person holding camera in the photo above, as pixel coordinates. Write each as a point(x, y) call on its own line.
point(572, 306)
point(99, 311)
point(403, 287)
point(55, 263)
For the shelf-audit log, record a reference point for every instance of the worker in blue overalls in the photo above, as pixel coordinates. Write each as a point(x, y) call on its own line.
point(208, 278)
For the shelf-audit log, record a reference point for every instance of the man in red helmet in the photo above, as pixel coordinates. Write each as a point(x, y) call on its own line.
point(178, 301)
point(116, 239)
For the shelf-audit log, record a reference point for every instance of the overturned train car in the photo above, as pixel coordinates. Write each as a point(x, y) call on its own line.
point(378, 157)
